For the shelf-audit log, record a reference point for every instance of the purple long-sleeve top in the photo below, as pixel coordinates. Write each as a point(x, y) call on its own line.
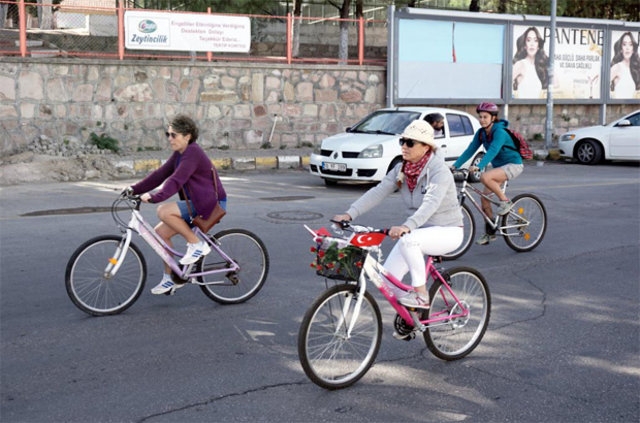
point(191, 170)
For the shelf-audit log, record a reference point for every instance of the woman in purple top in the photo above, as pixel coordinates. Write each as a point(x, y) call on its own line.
point(188, 168)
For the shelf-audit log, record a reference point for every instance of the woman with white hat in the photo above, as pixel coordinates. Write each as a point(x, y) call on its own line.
point(433, 225)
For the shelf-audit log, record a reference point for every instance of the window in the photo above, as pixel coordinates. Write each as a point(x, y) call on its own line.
point(459, 125)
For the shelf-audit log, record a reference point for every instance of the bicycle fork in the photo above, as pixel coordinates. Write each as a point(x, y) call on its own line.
point(117, 259)
point(355, 312)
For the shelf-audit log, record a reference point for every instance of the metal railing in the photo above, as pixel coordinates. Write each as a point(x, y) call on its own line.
point(95, 29)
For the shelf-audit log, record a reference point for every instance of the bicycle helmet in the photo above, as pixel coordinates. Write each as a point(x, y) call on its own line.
point(487, 107)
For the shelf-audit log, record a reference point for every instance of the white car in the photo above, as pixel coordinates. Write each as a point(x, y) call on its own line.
point(619, 140)
point(367, 151)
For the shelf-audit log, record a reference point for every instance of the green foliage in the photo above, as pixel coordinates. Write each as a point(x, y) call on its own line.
point(104, 142)
point(266, 146)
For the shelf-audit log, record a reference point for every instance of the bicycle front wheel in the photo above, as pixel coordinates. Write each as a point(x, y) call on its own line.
point(455, 337)
point(525, 225)
point(337, 344)
point(469, 234)
point(249, 252)
point(96, 292)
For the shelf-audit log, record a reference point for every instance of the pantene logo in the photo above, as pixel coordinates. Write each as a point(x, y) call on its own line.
point(147, 26)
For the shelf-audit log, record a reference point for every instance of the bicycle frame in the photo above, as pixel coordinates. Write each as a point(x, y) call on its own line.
point(464, 195)
point(166, 253)
point(373, 270)
point(378, 274)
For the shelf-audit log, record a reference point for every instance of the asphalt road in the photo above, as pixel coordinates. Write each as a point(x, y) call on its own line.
point(563, 343)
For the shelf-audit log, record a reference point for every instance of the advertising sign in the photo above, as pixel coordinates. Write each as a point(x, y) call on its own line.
point(440, 59)
point(624, 78)
point(147, 30)
point(577, 62)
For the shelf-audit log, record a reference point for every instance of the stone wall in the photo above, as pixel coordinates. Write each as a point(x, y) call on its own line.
point(236, 104)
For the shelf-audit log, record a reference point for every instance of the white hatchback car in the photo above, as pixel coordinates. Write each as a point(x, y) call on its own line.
point(367, 151)
point(619, 140)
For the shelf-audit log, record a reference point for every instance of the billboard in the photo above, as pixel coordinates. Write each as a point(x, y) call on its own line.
point(624, 73)
point(446, 57)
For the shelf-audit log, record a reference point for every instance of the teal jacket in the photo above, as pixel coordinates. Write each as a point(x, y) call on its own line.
point(494, 145)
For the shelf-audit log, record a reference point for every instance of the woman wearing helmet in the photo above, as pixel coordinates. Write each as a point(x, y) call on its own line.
point(433, 221)
point(506, 162)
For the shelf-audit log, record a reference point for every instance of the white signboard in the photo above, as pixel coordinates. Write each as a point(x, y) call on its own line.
point(187, 32)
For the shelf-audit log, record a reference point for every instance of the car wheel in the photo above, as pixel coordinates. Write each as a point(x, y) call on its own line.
point(475, 176)
point(330, 182)
point(588, 152)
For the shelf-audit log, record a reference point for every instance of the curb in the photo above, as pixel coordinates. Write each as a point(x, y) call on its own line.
point(143, 166)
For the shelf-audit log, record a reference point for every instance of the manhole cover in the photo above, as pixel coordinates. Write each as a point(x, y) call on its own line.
point(294, 215)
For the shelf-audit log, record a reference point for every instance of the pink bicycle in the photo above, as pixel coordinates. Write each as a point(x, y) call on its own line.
point(340, 334)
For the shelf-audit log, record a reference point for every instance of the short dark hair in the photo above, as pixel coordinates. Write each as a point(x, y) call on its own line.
point(434, 118)
point(184, 125)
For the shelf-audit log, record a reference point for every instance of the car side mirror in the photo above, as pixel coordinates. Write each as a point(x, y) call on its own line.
point(624, 122)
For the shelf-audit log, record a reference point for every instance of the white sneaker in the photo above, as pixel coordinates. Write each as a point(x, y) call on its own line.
point(194, 252)
point(165, 285)
point(414, 300)
point(504, 207)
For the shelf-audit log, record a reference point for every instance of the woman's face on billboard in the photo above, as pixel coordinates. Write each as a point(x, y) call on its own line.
point(531, 43)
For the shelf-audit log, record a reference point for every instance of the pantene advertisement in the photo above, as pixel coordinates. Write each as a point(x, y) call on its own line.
point(624, 75)
point(577, 63)
point(187, 32)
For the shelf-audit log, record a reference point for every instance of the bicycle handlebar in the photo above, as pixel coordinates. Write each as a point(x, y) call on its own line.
point(348, 226)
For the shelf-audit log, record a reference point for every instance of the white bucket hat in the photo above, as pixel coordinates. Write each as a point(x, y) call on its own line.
point(421, 131)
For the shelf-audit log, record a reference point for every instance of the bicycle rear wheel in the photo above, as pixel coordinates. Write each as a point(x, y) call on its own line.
point(525, 225)
point(469, 227)
point(96, 293)
point(249, 252)
point(329, 356)
point(454, 338)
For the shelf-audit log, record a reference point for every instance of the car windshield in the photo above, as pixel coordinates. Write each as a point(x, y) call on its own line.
point(386, 122)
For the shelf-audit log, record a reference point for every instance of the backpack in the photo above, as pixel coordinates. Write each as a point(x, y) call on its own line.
point(521, 144)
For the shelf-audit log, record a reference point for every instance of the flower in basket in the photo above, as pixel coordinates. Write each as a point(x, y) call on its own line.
point(339, 263)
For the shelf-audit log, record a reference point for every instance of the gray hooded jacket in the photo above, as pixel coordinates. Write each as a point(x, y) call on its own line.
point(433, 202)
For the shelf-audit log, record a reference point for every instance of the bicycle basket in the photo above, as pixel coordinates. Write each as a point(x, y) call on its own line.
point(336, 259)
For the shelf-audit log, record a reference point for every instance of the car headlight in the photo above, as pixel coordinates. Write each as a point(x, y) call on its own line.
point(317, 148)
point(371, 152)
point(567, 137)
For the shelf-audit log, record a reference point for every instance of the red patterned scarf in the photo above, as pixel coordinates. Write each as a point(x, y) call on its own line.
point(412, 170)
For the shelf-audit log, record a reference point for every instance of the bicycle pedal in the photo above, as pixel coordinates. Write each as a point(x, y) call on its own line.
point(400, 337)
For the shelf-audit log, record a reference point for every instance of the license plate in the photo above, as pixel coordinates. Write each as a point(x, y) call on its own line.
point(335, 167)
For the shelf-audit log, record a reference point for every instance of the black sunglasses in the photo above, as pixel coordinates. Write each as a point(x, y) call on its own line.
point(171, 134)
point(408, 141)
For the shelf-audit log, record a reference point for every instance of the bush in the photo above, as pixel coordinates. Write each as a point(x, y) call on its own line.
point(104, 142)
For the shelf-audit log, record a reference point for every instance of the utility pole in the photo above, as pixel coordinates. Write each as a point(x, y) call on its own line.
point(548, 134)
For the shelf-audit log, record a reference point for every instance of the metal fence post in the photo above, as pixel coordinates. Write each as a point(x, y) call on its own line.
point(121, 31)
point(361, 40)
point(289, 40)
point(22, 24)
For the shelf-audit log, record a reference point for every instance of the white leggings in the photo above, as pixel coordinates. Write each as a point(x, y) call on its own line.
point(408, 253)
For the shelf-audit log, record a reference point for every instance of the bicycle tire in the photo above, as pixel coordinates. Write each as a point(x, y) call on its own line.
point(85, 280)
point(246, 249)
point(455, 338)
point(525, 238)
point(327, 357)
point(469, 227)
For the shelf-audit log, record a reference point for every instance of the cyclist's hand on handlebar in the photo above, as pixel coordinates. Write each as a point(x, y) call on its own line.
point(146, 197)
point(395, 232)
point(473, 169)
point(338, 218)
point(127, 192)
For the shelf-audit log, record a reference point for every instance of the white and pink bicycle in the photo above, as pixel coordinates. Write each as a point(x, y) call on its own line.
point(340, 334)
point(106, 274)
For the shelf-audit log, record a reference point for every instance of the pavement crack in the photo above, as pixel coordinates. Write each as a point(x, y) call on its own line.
point(219, 398)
